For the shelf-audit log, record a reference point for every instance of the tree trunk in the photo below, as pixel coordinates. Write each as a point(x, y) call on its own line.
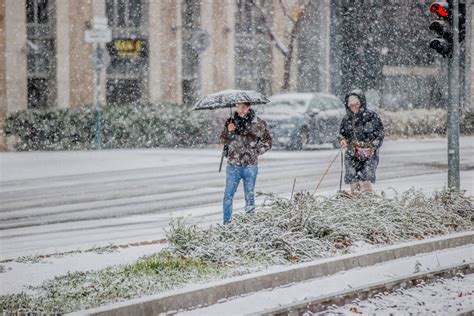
point(289, 57)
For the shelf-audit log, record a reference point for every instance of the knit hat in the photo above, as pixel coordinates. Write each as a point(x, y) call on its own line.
point(353, 99)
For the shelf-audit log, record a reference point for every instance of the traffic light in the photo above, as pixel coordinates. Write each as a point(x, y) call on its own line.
point(443, 43)
point(443, 26)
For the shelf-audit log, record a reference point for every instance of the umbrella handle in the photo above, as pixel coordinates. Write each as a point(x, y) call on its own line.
point(222, 160)
point(222, 157)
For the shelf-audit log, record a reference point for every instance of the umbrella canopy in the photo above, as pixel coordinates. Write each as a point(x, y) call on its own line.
point(228, 99)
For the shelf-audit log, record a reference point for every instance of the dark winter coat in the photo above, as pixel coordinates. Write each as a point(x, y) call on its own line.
point(364, 128)
point(250, 139)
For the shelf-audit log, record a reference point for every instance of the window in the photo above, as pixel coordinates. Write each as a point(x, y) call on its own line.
point(125, 13)
point(128, 70)
point(337, 104)
point(333, 104)
point(319, 104)
point(123, 91)
point(40, 52)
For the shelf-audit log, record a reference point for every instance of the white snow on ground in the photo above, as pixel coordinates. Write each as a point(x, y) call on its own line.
point(17, 276)
point(444, 296)
point(18, 165)
point(269, 299)
point(52, 195)
point(79, 238)
point(56, 238)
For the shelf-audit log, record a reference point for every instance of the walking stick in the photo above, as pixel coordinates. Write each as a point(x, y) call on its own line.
point(342, 170)
point(325, 172)
point(293, 190)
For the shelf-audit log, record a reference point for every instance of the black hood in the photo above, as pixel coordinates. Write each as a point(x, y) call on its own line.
point(361, 96)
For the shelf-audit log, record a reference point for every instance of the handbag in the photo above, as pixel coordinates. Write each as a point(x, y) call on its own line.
point(362, 151)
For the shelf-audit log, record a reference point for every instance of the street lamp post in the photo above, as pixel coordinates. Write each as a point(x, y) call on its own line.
point(99, 34)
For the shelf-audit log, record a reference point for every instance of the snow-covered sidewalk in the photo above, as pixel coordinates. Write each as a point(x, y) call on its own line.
point(269, 299)
point(444, 296)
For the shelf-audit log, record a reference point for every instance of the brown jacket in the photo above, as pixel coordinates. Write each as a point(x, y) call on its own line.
point(245, 146)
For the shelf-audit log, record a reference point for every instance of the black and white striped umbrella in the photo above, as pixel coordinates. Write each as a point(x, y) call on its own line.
point(228, 99)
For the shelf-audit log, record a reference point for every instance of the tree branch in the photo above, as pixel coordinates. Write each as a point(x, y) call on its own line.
point(285, 13)
point(278, 44)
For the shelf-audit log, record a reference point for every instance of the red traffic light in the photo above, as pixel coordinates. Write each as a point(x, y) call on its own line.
point(441, 9)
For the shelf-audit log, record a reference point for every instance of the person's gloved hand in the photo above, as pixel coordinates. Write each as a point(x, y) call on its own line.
point(231, 127)
point(343, 143)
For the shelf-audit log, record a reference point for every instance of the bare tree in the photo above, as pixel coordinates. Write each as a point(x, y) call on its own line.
point(294, 18)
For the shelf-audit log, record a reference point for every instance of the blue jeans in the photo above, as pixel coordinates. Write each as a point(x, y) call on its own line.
point(248, 174)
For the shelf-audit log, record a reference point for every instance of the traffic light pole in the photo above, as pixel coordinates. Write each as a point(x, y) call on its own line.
point(453, 107)
point(467, 57)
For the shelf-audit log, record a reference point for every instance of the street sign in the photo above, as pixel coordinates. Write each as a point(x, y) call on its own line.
point(99, 22)
point(98, 36)
point(128, 48)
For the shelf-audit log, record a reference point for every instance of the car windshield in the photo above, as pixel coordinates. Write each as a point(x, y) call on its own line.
point(286, 107)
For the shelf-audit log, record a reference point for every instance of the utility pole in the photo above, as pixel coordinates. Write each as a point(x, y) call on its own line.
point(453, 107)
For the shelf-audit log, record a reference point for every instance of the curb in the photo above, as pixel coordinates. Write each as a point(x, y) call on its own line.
point(212, 293)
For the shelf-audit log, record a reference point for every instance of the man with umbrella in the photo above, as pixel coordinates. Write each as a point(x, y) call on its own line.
point(245, 137)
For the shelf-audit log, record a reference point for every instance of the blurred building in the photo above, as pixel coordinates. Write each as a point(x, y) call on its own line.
point(165, 50)
point(46, 61)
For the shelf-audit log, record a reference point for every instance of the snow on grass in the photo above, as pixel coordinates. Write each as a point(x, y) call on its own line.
point(309, 227)
point(282, 232)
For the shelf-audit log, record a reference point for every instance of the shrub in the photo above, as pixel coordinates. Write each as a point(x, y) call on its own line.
point(130, 126)
point(423, 122)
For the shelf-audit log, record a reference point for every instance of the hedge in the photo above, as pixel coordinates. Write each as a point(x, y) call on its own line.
point(173, 125)
point(129, 126)
point(423, 122)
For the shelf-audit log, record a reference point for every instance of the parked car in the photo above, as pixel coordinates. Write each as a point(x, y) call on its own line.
point(299, 119)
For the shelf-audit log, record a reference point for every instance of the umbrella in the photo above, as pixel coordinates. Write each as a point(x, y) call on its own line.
point(228, 99)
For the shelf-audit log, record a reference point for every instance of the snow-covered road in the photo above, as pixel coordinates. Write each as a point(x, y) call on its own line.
point(61, 201)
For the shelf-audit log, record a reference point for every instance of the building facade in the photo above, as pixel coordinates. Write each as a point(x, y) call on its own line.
point(45, 61)
point(177, 50)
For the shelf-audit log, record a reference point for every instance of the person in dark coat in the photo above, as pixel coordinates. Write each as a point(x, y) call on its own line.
point(246, 137)
point(361, 133)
